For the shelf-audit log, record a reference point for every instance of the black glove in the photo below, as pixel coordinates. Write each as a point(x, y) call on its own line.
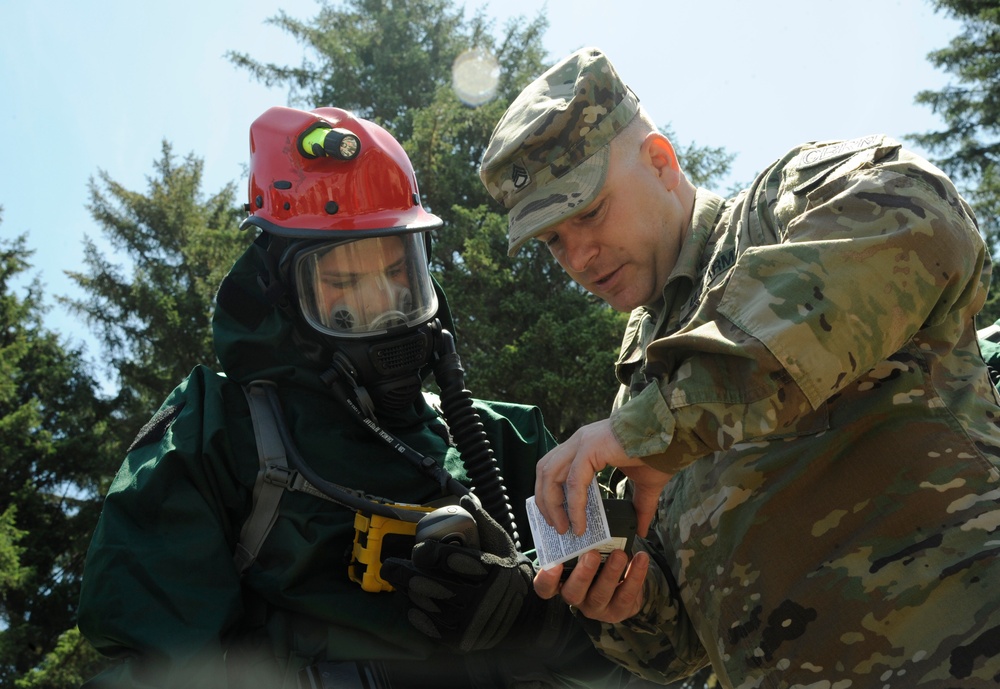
point(471, 599)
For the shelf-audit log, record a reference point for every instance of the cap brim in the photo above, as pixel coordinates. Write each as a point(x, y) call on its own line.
point(559, 199)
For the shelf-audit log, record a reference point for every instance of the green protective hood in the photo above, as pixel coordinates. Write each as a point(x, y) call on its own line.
point(260, 338)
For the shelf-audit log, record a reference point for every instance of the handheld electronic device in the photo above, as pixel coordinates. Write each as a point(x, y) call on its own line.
point(450, 524)
point(621, 523)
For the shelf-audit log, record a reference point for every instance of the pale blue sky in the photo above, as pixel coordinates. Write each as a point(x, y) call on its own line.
point(98, 84)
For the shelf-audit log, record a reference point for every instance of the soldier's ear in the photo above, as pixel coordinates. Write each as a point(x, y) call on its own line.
point(658, 150)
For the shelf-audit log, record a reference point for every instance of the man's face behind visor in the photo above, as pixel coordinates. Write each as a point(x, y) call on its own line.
point(365, 287)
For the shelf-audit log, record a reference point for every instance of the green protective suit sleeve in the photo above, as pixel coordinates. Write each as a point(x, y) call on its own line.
point(159, 581)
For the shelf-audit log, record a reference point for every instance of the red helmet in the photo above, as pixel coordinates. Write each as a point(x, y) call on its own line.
point(324, 171)
point(339, 196)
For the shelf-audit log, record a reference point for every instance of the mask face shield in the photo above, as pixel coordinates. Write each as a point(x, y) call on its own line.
point(365, 287)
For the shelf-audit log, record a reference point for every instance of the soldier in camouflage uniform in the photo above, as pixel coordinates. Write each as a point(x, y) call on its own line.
point(804, 404)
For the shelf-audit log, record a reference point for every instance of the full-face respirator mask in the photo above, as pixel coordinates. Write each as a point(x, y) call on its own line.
point(372, 302)
point(364, 288)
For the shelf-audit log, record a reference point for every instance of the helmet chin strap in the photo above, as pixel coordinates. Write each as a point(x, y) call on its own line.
point(347, 373)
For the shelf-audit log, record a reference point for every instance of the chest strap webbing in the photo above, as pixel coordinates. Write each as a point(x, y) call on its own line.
point(273, 479)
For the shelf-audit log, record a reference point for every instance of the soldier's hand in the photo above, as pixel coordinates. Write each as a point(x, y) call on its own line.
point(565, 473)
point(599, 592)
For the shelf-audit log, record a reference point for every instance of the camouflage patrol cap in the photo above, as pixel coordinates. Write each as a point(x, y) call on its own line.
point(548, 155)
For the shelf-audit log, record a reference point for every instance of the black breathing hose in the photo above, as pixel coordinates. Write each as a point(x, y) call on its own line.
point(470, 436)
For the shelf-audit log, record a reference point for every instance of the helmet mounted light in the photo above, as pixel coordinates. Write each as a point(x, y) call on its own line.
point(320, 140)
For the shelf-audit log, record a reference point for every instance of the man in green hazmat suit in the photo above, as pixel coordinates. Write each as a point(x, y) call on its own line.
point(241, 542)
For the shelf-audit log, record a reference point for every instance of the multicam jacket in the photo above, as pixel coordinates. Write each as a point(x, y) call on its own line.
point(813, 380)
